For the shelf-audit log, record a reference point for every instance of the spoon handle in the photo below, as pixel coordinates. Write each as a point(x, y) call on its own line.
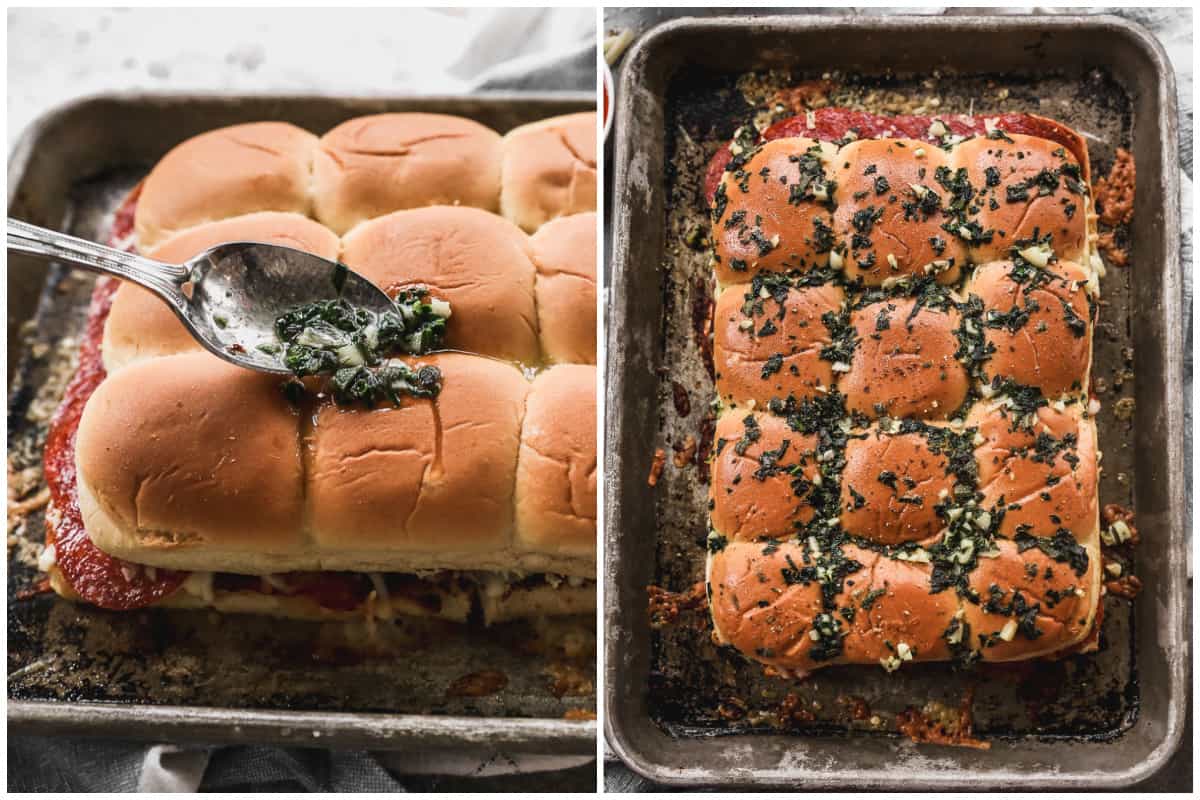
point(161, 278)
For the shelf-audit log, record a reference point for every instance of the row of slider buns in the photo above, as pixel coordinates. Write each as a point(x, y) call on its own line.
point(186, 462)
point(878, 209)
point(370, 166)
point(892, 485)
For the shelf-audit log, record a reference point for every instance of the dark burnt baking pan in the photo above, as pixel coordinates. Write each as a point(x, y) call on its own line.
point(173, 675)
point(1124, 714)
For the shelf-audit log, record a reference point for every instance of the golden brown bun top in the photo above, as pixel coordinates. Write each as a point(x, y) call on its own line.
point(1045, 603)
point(753, 491)
point(273, 227)
point(564, 253)
point(1041, 473)
point(1039, 326)
point(905, 364)
point(556, 474)
point(141, 325)
point(893, 486)
point(895, 208)
point(427, 474)
point(894, 608)
point(761, 606)
point(371, 166)
point(188, 450)
point(259, 166)
point(549, 170)
point(567, 245)
point(773, 214)
point(477, 261)
point(770, 347)
point(892, 229)
point(1025, 186)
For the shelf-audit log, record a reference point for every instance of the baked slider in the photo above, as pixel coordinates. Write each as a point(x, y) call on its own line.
point(564, 254)
point(228, 172)
point(477, 261)
point(549, 170)
point(468, 494)
point(371, 166)
point(905, 459)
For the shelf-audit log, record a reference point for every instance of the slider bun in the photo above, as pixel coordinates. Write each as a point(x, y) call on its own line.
point(907, 369)
point(1063, 618)
point(477, 261)
point(556, 469)
point(140, 325)
point(371, 166)
point(757, 612)
point(1041, 349)
point(900, 507)
point(764, 214)
point(902, 233)
point(1015, 467)
point(1015, 220)
point(741, 354)
point(753, 497)
point(259, 166)
point(188, 462)
point(564, 253)
point(895, 606)
point(549, 170)
point(428, 485)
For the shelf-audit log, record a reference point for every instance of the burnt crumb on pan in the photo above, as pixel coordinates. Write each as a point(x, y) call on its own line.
point(1114, 192)
point(685, 452)
point(477, 684)
point(578, 715)
point(679, 395)
point(1114, 195)
point(1126, 586)
point(1114, 513)
point(568, 680)
point(936, 723)
point(665, 606)
point(656, 466)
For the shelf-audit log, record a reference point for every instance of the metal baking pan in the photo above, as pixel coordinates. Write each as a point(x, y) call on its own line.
point(200, 676)
point(1110, 719)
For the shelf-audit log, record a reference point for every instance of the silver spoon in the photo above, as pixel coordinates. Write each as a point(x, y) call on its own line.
point(228, 297)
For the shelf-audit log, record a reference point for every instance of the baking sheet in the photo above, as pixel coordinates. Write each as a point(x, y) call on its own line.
point(234, 677)
point(698, 697)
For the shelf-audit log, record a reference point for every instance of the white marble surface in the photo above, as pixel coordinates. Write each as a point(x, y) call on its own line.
point(55, 55)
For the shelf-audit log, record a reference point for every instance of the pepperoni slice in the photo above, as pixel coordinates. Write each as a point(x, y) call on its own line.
point(95, 576)
point(832, 124)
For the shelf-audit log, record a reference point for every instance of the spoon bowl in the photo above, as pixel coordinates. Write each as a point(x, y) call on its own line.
point(228, 297)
